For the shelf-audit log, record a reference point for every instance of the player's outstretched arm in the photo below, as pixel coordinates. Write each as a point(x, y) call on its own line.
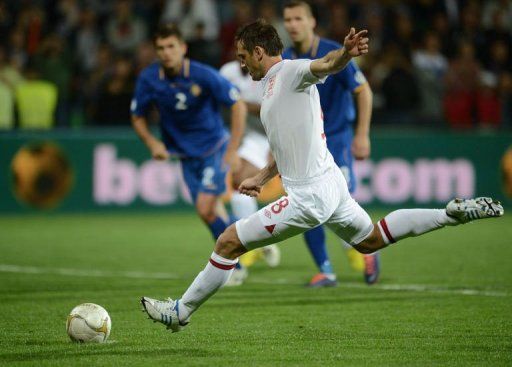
point(355, 44)
point(155, 146)
point(252, 185)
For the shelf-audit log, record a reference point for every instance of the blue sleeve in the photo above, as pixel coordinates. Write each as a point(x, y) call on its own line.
point(221, 89)
point(142, 97)
point(351, 77)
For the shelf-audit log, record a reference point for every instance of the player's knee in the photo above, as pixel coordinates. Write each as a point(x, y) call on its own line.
point(228, 244)
point(372, 243)
point(206, 212)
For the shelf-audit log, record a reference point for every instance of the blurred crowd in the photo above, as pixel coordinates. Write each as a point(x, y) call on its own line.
point(445, 63)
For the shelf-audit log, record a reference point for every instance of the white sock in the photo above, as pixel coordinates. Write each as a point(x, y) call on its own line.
point(207, 283)
point(243, 205)
point(405, 223)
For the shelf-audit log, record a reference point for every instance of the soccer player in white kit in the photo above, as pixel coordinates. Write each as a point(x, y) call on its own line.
point(316, 188)
point(254, 153)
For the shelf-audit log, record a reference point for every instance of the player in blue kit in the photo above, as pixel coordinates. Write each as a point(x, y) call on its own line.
point(337, 96)
point(189, 96)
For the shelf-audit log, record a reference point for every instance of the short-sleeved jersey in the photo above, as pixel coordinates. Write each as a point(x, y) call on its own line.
point(292, 118)
point(250, 91)
point(336, 93)
point(189, 105)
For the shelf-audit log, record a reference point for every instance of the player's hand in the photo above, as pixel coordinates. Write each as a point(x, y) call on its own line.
point(232, 159)
point(361, 146)
point(356, 44)
point(250, 187)
point(159, 151)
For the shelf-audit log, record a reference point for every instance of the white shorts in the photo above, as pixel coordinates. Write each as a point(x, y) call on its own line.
point(255, 149)
point(324, 200)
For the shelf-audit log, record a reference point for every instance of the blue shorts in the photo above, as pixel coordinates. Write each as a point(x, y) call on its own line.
point(206, 174)
point(340, 146)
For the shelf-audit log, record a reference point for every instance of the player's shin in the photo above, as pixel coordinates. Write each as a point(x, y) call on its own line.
point(207, 283)
point(315, 239)
point(405, 223)
point(217, 227)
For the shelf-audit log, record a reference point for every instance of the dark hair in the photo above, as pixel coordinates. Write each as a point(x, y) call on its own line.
point(260, 33)
point(167, 30)
point(299, 3)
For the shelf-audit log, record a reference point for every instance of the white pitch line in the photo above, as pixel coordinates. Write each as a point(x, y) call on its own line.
point(425, 288)
point(5, 268)
point(8, 268)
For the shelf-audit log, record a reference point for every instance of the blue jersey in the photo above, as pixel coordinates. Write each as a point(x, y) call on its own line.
point(336, 93)
point(189, 105)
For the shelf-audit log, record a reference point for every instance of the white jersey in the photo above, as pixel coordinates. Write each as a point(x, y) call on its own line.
point(292, 118)
point(250, 91)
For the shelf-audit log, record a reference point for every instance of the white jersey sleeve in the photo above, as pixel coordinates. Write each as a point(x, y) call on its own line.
point(304, 77)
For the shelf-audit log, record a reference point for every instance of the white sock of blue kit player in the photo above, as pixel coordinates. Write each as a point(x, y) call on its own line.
point(405, 223)
point(207, 283)
point(243, 205)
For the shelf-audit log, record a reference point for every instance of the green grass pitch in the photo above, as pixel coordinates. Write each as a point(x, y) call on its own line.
point(444, 299)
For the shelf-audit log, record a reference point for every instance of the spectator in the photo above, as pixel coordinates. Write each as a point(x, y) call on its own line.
point(430, 67)
point(187, 14)
point(505, 94)
point(113, 104)
point(338, 21)
point(441, 27)
point(470, 29)
point(9, 80)
point(242, 14)
point(269, 12)
point(461, 86)
point(69, 17)
point(400, 88)
point(124, 30)
point(36, 101)
point(32, 22)
point(6, 18)
point(9, 73)
point(488, 105)
point(91, 86)
point(501, 7)
point(202, 50)
point(402, 34)
point(53, 63)
point(144, 56)
point(17, 53)
point(87, 41)
point(498, 42)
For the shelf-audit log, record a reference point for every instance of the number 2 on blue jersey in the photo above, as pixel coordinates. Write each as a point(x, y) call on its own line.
point(181, 104)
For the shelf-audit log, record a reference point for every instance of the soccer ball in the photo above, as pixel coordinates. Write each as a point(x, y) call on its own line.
point(88, 323)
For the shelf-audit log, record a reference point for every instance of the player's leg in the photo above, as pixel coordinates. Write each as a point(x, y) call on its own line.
point(254, 153)
point(206, 180)
point(315, 240)
point(243, 205)
point(274, 223)
point(405, 223)
point(219, 268)
point(368, 264)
